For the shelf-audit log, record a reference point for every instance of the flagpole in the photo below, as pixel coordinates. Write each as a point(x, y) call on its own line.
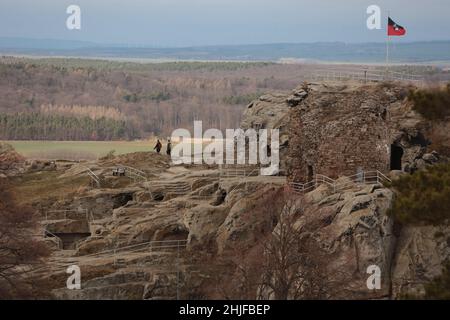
point(387, 55)
point(387, 48)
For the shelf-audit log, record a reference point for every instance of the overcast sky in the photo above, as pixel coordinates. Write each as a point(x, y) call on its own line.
point(211, 22)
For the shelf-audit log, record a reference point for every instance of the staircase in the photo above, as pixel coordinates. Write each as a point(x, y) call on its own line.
point(178, 188)
point(95, 179)
point(45, 234)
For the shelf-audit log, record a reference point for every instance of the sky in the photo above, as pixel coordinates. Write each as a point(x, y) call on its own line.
point(178, 23)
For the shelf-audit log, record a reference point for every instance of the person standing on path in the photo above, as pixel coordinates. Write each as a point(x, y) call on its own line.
point(158, 146)
point(169, 147)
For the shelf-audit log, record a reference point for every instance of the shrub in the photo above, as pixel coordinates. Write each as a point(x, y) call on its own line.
point(241, 99)
point(132, 97)
point(423, 197)
point(109, 156)
point(439, 288)
point(433, 104)
point(20, 252)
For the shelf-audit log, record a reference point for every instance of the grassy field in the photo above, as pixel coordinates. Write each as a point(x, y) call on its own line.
point(78, 150)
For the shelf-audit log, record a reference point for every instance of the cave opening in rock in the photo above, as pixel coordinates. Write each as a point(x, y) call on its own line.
point(158, 196)
point(177, 234)
point(396, 157)
point(310, 173)
point(122, 199)
point(69, 240)
point(221, 195)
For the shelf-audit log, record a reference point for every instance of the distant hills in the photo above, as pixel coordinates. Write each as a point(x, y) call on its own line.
point(412, 52)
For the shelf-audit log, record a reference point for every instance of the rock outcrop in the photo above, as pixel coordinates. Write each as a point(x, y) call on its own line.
point(340, 129)
point(11, 163)
point(270, 111)
point(354, 232)
point(421, 254)
point(170, 232)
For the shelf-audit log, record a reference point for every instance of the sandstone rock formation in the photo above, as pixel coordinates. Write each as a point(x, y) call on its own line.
point(11, 163)
point(354, 232)
point(421, 253)
point(170, 232)
point(340, 129)
point(270, 111)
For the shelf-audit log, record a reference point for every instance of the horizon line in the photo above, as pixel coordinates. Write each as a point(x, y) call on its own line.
point(150, 46)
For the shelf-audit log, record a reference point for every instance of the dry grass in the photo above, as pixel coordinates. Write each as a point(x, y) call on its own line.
point(36, 186)
point(78, 150)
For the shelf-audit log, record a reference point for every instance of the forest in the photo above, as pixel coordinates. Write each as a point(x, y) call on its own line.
point(87, 99)
point(38, 126)
point(81, 99)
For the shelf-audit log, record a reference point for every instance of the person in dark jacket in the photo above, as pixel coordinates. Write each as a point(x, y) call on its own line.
point(169, 147)
point(158, 146)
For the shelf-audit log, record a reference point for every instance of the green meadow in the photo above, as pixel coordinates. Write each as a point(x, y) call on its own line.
point(78, 150)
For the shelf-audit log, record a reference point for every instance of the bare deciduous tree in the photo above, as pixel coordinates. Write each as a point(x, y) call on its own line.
point(293, 260)
point(287, 263)
point(19, 252)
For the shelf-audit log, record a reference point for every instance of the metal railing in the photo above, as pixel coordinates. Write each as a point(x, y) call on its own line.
point(145, 246)
point(244, 176)
point(134, 173)
point(364, 177)
point(365, 75)
point(95, 178)
point(150, 246)
point(175, 187)
point(236, 171)
point(47, 234)
point(65, 212)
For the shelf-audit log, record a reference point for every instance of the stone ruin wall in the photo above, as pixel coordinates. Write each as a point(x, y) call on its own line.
point(337, 131)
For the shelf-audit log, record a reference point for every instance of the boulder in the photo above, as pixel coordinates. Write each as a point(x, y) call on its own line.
point(244, 225)
point(298, 95)
point(11, 162)
point(354, 233)
point(318, 194)
point(422, 251)
point(430, 158)
point(203, 221)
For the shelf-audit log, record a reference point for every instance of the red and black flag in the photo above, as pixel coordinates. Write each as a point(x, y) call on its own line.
point(395, 29)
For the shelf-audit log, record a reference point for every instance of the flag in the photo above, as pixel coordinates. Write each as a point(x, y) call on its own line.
point(395, 29)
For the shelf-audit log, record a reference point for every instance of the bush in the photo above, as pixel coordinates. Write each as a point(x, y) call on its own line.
point(424, 197)
point(433, 104)
point(109, 156)
point(241, 99)
point(439, 288)
point(20, 252)
point(131, 98)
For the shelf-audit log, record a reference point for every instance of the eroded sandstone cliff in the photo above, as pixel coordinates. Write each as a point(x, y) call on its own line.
point(192, 232)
